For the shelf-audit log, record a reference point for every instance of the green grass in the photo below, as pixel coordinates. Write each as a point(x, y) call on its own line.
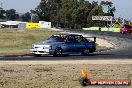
point(19, 41)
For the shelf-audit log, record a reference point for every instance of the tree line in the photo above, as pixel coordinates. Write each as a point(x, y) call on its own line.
point(8, 14)
point(64, 13)
point(13, 15)
point(73, 13)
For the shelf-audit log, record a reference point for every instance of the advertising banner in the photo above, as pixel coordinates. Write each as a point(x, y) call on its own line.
point(102, 18)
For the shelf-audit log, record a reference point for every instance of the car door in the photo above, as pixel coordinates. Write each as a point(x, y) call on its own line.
point(69, 44)
point(79, 45)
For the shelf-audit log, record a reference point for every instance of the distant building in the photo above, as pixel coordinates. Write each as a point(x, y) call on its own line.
point(44, 24)
point(10, 24)
point(23, 25)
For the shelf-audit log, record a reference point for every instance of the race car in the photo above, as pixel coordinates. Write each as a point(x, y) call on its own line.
point(126, 29)
point(64, 44)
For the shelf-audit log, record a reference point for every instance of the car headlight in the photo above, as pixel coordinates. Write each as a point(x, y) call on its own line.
point(47, 47)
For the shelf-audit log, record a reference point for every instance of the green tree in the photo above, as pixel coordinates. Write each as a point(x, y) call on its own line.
point(43, 10)
point(69, 13)
point(2, 13)
point(109, 5)
point(26, 17)
point(11, 14)
point(95, 11)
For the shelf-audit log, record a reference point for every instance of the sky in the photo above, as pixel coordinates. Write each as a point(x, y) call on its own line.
point(20, 6)
point(123, 7)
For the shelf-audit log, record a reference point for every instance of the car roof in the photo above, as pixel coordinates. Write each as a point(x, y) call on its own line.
point(67, 35)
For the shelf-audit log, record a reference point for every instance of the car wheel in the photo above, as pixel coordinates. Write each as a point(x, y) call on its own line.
point(37, 55)
point(129, 32)
point(86, 51)
point(122, 32)
point(58, 52)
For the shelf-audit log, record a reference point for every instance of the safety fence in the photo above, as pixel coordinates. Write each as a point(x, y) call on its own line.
point(103, 29)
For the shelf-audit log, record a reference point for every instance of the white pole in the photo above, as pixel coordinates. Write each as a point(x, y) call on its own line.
point(31, 17)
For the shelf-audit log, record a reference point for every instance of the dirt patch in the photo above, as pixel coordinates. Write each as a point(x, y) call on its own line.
point(60, 76)
point(43, 69)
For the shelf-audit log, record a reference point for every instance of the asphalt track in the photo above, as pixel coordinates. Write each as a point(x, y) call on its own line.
point(122, 42)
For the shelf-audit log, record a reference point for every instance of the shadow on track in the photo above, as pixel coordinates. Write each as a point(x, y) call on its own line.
point(65, 57)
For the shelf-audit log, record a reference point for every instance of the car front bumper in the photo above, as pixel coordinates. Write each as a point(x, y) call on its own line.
point(41, 51)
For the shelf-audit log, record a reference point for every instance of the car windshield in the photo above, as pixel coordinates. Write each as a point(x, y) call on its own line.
point(57, 38)
point(127, 26)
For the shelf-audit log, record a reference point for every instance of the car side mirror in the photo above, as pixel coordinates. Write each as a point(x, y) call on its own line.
point(94, 39)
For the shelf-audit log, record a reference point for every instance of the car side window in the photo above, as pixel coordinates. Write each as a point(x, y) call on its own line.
point(80, 39)
point(85, 40)
point(70, 39)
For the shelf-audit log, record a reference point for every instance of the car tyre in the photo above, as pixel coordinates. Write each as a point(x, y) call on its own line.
point(86, 51)
point(129, 32)
point(123, 32)
point(58, 52)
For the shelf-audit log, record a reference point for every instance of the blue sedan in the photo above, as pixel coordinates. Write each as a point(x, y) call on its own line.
point(58, 45)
